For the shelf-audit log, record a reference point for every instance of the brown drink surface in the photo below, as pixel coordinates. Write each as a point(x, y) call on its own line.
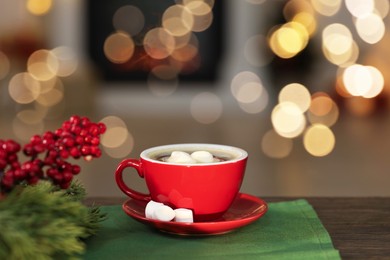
point(218, 156)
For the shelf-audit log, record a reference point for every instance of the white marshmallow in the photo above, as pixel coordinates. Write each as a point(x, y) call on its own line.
point(180, 157)
point(202, 157)
point(151, 207)
point(164, 213)
point(184, 215)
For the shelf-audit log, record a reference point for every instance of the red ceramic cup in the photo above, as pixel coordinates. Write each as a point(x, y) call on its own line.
point(208, 189)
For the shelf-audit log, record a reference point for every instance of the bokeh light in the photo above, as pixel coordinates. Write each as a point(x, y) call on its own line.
point(370, 28)
point(116, 132)
point(247, 88)
point(53, 94)
point(23, 88)
point(297, 94)
point(257, 106)
point(185, 2)
point(186, 49)
point(275, 146)
point(288, 119)
point(319, 140)
point(337, 38)
point(382, 7)
point(293, 7)
point(202, 15)
point(40, 65)
point(206, 107)
point(360, 8)
point(323, 110)
point(123, 150)
point(159, 43)
point(39, 7)
point(163, 80)
point(129, 19)
point(31, 116)
point(178, 20)
point(119, 47)
point(117, 141)
point(289, 39)
point(24, 129)
point(378, 83)
point(326, 7)
point(366, 81)
point(308, 20)
point(63, 62)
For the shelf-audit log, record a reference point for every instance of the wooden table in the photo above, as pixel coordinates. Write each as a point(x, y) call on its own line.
point(359, 227)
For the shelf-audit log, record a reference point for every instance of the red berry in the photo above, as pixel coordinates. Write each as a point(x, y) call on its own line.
point(85, 121)
point(75, 129)
point(20, 174)
point(74, 152)
point(74, 119)
point(36, 139)
point(95, 150)
point(88, 139)
point(7, 182)
point(48, 135)
point(83, 132)
point(66, 125)
point(12, 158)
point(28, 150)
point(11, 146)
point(48, 161)
point(85, 150)
point(65, 185)
point(52, 154)
point(67, 176)
point(57, 178)
point(39, 148)
point(15, 165)
point(28, 166)
point(79, 139)
point(102, 127)
point(94, 130)
point(68, 141)
point(64, 154)
point(97, 154)
point(95, 141)
point(3, 163)
point(3, 154)
point(76, 169)
point(51, 172)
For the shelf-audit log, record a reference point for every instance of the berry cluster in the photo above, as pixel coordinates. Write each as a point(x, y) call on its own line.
point(78, 137)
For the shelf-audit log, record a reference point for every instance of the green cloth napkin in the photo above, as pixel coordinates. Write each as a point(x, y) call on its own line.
point(289, 230)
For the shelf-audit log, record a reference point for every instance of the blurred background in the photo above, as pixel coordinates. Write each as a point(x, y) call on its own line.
point(302, 85)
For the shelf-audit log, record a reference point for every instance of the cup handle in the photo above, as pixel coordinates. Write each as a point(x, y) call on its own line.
point(137, 165)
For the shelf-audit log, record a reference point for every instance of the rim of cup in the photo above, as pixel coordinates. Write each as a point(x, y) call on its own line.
point(239, 154)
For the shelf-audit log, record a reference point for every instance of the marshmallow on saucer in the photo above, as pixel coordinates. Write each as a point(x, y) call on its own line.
point(202, 157)
point(151, 207)
point(183, 215)
point(164, 213)
point(180, 157)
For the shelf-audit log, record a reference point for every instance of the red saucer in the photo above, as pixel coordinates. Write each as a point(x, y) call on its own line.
point(244, 210)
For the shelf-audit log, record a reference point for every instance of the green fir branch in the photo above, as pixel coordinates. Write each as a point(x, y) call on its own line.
point(42, 222)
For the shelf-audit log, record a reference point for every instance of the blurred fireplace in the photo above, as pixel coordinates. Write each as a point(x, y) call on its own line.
point(132, 21)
